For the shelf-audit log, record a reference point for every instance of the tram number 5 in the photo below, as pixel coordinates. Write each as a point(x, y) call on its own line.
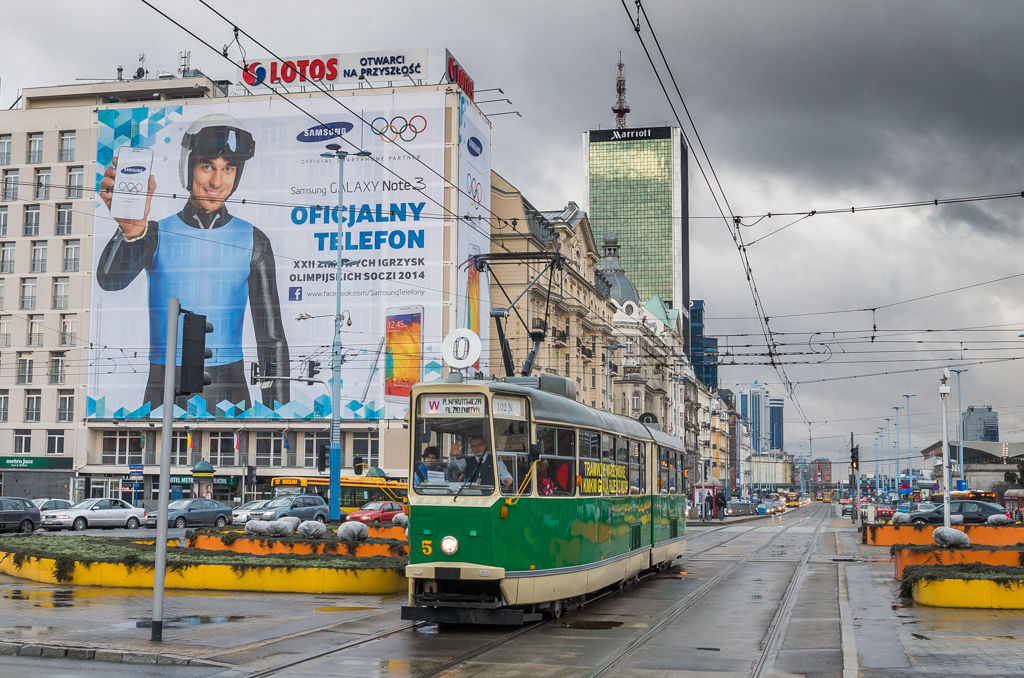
point(428, 547)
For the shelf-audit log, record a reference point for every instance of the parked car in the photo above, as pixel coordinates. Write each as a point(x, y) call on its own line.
point(973, 512)
point(247, 511)
point(191, 512)
point(847, 509)
point(94, 513)
point(926, 506)
point(883, 511)
point(304, 506)
point(18, 514)
point(740, 508)
point(45, 505)
point(379, 511)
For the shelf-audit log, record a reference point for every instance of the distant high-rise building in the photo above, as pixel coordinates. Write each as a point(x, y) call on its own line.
point(980, 422)
point(775, 433)
point(635, 185)
point(703, 349)
point(754, 408)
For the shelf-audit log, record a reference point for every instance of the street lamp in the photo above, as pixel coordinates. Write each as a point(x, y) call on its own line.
point(960, 422)
point(944, 396)
point(888, 446)
point(608, 374)
point(910, 450)
point(334, 151)
point(897, 408)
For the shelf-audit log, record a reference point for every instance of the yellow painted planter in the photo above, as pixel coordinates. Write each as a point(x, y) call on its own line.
point(905, 557)
point(988, 535)
point(974, 593)
point(267, 547)
point(215, 577)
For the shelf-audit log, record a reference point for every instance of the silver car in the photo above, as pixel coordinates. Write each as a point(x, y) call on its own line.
point(94, 513)
point(247, 511)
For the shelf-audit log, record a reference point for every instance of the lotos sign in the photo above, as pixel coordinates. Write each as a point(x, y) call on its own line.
point(336, 68)
point(454, 72)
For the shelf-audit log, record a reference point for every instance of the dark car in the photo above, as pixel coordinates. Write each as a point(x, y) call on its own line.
point(304, 506)
point(191, 512)
point(18, 514)
point(972, 511)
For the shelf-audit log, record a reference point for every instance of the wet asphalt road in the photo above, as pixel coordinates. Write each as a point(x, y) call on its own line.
point(750, 620)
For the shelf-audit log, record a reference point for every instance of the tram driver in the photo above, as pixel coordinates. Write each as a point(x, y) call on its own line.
point(477, 467)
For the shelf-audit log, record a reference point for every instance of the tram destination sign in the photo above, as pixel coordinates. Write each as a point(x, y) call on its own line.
point(471, 406)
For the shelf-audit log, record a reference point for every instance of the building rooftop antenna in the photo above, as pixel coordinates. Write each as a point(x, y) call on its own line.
point(621, 108)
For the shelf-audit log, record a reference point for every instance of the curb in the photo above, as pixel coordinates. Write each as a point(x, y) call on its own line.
point(101, 654)
point(729, 521)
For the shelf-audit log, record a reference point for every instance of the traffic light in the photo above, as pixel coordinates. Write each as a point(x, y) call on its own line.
point(250, 475)
point(194, 353)
point(854, 457)
point(357, 465)
point(314, 369)
point(322, 456)
point(254, 375)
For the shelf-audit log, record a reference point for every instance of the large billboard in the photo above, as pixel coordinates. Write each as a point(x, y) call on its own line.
point(242, 225)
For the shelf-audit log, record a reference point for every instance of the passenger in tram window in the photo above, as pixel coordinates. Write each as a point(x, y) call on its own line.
point(456, 467)
point(480, 466)
point(431, 456)
point(545, 484)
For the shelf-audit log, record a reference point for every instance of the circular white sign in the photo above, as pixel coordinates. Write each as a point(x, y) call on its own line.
point(461, 348)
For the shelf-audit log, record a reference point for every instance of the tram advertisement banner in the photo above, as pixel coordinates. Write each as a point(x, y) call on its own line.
point(243, 227)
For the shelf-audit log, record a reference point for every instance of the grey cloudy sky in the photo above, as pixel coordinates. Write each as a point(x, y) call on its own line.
point(801, 104)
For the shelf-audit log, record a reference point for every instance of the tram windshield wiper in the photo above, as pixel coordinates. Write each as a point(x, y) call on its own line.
point(469, 480)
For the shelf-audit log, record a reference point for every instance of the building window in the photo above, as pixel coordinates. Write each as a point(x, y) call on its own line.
point(5, 330)
point(313, 442)
point(35, 330)
point(68, 329)
point(567, 364)
point(42, 185)
point(33, 405)
point(61, 286)
point(5, 149)
point(222, 448)
point(38, 256)
point(24, 368)
point(7, 257)
point(28, 294)
point(71, 254)
point(3, 286)
point(58, 368)
point(593, 377)
point(76, 180)
point(3, 221)
point(31, 220)
point(11, 185)
point(22, 441)
point(179, 448)
point(4, 403)
point(269, 448)
point(67, 146)
point(122, 447)
point(66, 405)
point(64, 218)
point(367, 447)
point(55, 441)
point(35, 147)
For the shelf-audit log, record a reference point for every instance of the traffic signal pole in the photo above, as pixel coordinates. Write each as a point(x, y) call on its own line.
point(160, 565)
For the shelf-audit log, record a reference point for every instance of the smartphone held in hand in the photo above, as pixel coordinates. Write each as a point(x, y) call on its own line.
point(131, 183)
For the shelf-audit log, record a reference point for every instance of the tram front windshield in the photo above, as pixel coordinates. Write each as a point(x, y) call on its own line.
point(452, 450)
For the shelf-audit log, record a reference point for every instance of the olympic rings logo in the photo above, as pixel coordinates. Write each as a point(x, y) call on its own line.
point(399, 128)
point(474, 189)
point(130, 188)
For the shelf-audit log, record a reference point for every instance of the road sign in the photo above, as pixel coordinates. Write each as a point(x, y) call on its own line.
point(904, 490)
point(904, 486)
point(961, 486)
point(135, 469)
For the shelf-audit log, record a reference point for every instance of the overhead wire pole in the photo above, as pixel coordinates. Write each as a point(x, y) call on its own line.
point(910, 451)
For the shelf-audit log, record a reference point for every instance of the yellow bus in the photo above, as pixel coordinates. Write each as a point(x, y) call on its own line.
point(355, 491)
point(972, 494)
point(792, 499)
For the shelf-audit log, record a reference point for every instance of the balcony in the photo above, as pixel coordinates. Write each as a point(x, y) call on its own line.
point(60, 301)
point(5, 339)
point(58, 376)
point(539, 325)
point(70, 264)
point(28, 303)
point(35, 339)
point(560, 338)
point(67, 338)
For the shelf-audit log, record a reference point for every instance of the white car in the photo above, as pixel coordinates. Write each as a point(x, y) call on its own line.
point(248, 511)
point(95, 513)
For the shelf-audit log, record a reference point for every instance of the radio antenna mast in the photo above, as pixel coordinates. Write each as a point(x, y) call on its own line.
point(621, 108)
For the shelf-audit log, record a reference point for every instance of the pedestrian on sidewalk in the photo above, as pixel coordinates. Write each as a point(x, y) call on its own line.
point(720, 504)
point(709, 506)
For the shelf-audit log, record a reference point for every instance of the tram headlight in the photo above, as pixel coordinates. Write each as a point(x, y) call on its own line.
point(449, 546)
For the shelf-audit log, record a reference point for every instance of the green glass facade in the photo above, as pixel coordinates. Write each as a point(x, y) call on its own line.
point(636, 182)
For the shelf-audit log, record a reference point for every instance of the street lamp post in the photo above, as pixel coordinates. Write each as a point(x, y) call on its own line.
point(960, 423)
point(910, 450)
point(334, 151)
point(608, 374)
point(944, 396)
point(897, 453)
point(888, 446)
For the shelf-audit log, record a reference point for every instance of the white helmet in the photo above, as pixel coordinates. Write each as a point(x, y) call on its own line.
point(215, 136)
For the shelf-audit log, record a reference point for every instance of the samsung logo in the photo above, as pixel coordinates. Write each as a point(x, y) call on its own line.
point(322, 132)
point(474, 147)
point(134, 169)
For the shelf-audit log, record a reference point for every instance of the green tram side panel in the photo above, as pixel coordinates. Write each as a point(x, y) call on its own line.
point(544, 533)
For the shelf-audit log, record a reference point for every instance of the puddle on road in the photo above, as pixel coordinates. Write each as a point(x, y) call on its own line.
point(429, 629)
point(57, 598)
point(754, 598)
point(341, 609)
point(920, 636)
point(592, 624)
point(194, 619)
point(26, 631)
point(710, 649)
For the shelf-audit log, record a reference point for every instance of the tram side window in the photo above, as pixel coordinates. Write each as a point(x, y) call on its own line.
point(643, 468)
point(663, 471)
point(673, 479)
point(511, 437)
point(590, 463)
point(558, 457)
point(679, 473)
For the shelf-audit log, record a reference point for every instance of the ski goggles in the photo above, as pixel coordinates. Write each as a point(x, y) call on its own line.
point(231, 143)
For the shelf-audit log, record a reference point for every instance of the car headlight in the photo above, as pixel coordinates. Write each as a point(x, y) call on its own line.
point(60, 517)
point(449, 546)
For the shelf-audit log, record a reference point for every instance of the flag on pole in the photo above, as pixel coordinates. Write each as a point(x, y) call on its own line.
point(189, 440)
point(287, 447)
point(236, 442)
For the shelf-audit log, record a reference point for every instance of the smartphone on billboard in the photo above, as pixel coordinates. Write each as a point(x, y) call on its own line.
point(473, 294)
point(403, 351)
point(131, 183)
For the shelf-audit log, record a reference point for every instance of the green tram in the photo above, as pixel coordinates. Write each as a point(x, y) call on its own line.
point(522, 501)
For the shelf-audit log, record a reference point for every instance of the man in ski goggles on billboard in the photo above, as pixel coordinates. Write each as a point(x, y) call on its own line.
point(215, 263)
